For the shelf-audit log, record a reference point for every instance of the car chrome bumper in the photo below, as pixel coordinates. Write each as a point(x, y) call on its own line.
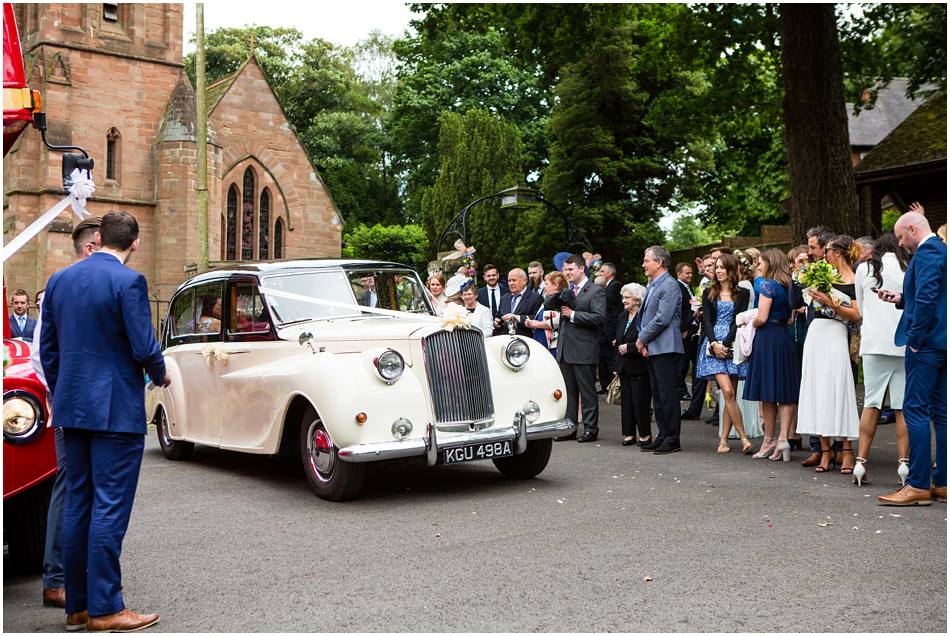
point(430, 445)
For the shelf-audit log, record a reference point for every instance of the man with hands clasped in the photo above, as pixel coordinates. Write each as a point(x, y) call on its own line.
point(583, 308)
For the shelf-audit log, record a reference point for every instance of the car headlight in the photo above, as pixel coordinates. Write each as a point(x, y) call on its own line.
point(516, 353)
point(389, 365)
point(22, 416)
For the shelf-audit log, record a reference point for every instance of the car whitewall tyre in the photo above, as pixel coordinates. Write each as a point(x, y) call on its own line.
point(331, 478)
point(173, 449)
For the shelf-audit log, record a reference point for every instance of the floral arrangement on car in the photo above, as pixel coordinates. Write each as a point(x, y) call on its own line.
point(213, 352)
point(820, 276)
point(455, 317)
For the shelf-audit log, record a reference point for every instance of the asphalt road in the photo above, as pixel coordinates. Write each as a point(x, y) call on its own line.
point(606, 539)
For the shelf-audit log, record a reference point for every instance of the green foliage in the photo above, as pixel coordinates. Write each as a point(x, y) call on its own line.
point(889, 219)
point(405, 244)
point(479, 154)
point(687, 231)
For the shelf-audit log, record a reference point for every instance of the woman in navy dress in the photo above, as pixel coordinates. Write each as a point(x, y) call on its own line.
point(715, 361)
point(635, 392)
point(774, 370)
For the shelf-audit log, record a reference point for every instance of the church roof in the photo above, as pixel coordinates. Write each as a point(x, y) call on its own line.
point(179, 122)
point(219, 88)
point(920, 138)
point(869, 127)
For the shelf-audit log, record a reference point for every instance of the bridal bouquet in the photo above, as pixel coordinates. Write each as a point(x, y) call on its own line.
point(820, 276)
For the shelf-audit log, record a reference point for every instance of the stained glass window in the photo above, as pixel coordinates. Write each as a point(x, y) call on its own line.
point(112, 155)
point(279, 239)
point(247, 217)
point(263, 221)
point(231, 241)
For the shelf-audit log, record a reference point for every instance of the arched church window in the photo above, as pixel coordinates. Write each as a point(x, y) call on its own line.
point(224, 236)
point(263, 222)
point(113, 154)
point(231, 241)
point(247, 217)
point(279, 239)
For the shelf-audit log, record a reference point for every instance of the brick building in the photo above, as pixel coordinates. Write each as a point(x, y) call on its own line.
point(113, 83)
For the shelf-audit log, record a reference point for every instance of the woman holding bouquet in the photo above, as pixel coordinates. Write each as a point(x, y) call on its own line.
point(721, 302)
point(827, 405)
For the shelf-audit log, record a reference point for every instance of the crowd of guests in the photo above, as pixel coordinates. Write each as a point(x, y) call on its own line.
point(771, 356)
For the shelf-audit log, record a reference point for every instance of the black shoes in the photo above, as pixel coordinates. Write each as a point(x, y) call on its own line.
point(667, 447)
point(630, 442)
point(652, 446)
point(887, 417)
point(686, 415)
point(587, 437)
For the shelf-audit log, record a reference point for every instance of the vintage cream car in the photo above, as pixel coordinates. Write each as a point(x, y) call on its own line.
point(341, 363)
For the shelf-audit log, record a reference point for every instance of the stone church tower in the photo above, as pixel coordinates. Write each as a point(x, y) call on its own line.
point(113, 83)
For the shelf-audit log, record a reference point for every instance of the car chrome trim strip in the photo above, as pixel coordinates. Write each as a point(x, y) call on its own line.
point(430, 445)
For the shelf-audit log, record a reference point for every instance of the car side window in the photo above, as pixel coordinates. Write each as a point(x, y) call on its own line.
point(248, 318)
point(208, 303)
point(182, 315)
point(195, 316)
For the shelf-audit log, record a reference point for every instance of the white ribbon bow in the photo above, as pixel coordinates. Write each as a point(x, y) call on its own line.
point(80, 188)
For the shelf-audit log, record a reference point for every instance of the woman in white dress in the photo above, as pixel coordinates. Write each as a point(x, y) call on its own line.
point(883, 360)
point(827, 405)
point(436, 288)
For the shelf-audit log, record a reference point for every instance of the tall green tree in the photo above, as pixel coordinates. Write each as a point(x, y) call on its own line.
point(479, 154)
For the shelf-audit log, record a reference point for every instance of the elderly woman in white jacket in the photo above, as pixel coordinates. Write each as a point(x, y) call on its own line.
point(883, 360)
point(481, 315)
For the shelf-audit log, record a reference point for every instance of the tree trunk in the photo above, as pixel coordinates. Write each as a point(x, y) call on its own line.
point(821, 180)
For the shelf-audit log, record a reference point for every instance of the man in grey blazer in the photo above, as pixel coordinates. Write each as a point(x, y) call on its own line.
point(661, 343)
point(583, 309)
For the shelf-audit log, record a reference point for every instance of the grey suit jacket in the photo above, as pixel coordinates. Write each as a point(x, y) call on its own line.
point(659, 318)
point(578, 341)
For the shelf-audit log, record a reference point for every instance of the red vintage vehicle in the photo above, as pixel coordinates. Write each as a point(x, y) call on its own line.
point(29, 453)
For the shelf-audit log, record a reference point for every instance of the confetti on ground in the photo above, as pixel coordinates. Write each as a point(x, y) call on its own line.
point(893, 515)
point(438, 535)
point(769, 524)
point(560, 501)
point(614, 477)
point(826, 525)
point(854, 528)
point(878, 531)
point(648, 578)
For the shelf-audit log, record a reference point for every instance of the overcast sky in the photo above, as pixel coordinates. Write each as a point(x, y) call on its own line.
point(344, 23)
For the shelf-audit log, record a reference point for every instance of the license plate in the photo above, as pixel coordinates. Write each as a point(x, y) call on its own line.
point(474, 452)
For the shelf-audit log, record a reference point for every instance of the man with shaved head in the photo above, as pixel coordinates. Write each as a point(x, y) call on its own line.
point(518, 305)
point(923, 329)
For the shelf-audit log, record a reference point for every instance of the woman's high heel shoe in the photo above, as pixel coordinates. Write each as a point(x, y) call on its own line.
point(768, 445)
point(782, 451)
point(859, 471)
point(903, 469)
point(823, 467)
point(746, 446)
point(723, 447)
point(846, 455)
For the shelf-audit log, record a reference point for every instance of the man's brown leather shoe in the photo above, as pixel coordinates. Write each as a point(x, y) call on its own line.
point(812, 460)
point(54, 597)
point(939, 493)
point(906, 496)
point(76, 621)
point(124, 621)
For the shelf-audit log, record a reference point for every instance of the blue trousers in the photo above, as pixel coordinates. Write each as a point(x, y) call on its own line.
point(53, 552)
point(925, 399)
point(102, 473)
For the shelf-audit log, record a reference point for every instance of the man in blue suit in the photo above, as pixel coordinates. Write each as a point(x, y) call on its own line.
point(21, 325)
point(96, 340)
point(923, 329)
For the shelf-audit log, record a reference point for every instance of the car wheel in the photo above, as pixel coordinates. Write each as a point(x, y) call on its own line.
point(173, 449)
point(528, 464)
point(330, 477)
point(24, 527)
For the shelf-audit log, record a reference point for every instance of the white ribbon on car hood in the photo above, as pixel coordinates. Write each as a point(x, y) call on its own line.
point(80, 188)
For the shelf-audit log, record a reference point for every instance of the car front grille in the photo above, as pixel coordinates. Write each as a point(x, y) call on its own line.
point(457, 370)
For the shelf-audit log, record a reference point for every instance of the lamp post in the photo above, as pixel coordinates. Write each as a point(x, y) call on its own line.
point(517, 196)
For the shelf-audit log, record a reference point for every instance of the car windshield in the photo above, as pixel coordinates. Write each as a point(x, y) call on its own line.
point(397, 290)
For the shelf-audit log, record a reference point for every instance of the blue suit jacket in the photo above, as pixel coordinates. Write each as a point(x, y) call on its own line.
point(96, 340)
point(659, 318)
point(924, 321)
point(27, 333)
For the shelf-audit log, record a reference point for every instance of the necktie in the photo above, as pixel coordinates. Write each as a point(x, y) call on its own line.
point(22, 321)
point(494, 306)
point(577, 290)
point(514, 302)
point(471, 310)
